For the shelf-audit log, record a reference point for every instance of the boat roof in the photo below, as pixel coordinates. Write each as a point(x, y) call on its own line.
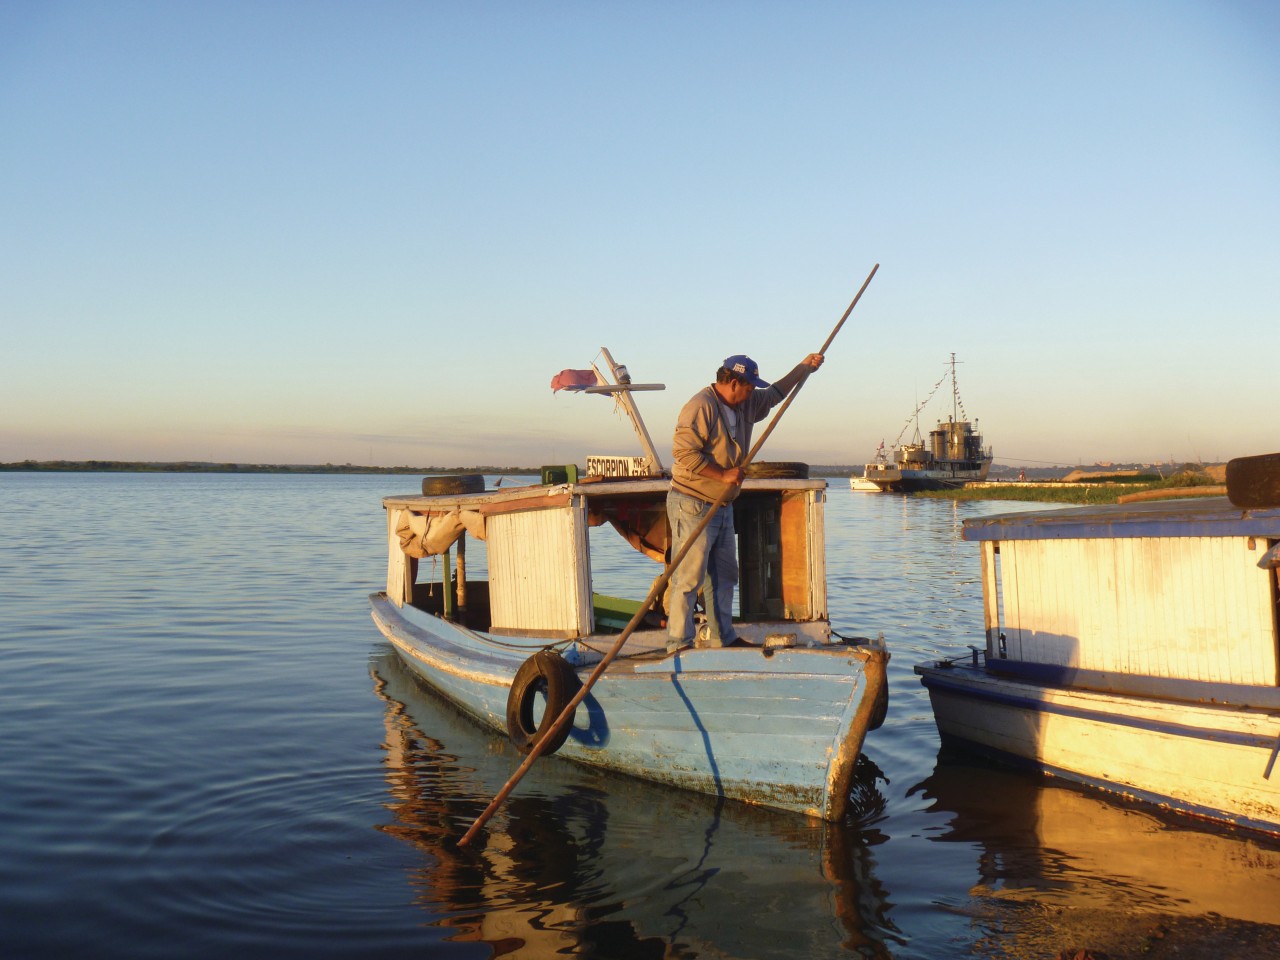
point(1192, 517)
point(600, 487)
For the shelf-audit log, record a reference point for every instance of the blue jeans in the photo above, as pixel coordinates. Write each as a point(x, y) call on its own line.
point(713, 557)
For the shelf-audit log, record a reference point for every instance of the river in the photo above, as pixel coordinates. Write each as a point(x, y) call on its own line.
point(209, 751)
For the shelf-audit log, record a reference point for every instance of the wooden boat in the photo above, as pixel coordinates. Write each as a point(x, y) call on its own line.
point(778, 721)
point(953, 456)
point(1133, 648)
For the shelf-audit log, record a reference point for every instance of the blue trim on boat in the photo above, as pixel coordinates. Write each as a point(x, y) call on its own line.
point(934, 678)
point(1201, 692)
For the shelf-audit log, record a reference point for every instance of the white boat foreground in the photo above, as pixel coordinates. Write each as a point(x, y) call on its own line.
point(777, 722)
point(1131, 648)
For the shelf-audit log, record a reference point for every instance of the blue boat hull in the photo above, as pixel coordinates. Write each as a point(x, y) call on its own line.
point(781, 729)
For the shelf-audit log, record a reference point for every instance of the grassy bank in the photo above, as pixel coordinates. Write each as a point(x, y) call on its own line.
point(1102, 490)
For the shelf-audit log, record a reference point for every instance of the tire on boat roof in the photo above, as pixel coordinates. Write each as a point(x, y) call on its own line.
point(453, 483)
point(778, 470)
point(547, 673)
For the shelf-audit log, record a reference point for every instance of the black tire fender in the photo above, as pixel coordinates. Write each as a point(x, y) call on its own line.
point(778, 470)
point(453, 483)
point(551, 675)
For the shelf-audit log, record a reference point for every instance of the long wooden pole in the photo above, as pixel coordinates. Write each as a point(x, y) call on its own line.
point(654, 592)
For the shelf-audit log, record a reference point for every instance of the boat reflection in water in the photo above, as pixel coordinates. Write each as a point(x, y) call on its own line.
point(1089, 854)
point(583, 863)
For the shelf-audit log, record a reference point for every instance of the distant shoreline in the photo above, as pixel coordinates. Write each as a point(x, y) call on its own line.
point(1102, 487)
point(197, 466)
point(824, 470)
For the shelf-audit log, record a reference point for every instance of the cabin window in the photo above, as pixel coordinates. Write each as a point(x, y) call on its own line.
point(630, 540)
point(454, 584)
point(773, 556)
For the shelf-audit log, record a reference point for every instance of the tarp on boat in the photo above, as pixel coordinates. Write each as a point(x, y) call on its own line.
point(431, 534)
point(643, 524)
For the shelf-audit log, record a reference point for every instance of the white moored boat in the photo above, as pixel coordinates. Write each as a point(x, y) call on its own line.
point(953, 456)
point(1132, 648)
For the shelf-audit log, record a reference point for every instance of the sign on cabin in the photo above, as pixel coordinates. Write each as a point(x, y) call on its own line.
point(617, 467)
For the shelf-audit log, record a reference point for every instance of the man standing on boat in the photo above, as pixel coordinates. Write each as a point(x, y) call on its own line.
point(712, 439)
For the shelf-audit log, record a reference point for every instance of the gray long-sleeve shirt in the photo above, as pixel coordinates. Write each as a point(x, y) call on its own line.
point(703, 435)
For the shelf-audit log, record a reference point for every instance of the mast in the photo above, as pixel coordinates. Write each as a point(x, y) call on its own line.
point(623, 379)
point(955, 391)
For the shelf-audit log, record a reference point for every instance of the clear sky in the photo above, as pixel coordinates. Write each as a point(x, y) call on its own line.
point(310, 232)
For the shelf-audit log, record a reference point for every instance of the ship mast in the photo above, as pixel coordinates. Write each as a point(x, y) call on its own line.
point(955, 392)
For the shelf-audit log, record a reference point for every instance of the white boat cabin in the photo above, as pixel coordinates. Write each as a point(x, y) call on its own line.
point(1181, 593)
point(572, 559)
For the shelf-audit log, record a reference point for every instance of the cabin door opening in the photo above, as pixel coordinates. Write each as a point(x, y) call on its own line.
point(774, 564)
point(993, 573)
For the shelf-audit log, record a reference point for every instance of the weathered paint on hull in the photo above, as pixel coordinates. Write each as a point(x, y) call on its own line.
point(1210, 761)
point(782, 731)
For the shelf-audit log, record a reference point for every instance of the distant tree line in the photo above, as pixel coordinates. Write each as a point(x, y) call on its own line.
point(195, 466)
point(998, 471)
point(199, 466)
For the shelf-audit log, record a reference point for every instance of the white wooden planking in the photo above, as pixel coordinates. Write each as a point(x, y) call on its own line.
point(817, 555)
point(1195, 608)
point(539, 581)
point(399, 584)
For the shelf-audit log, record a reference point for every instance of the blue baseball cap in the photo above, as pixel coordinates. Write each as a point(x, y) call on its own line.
point(746, 368)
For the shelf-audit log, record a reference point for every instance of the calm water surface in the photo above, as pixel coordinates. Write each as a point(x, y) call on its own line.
point(209, 751)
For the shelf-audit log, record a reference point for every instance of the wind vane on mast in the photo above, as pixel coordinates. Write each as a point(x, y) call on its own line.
point(620, 388)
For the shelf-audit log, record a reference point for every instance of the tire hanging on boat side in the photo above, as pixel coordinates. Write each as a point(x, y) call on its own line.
point(547, 673)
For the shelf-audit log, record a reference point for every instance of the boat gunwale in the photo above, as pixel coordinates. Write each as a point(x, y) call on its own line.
point(505, 657)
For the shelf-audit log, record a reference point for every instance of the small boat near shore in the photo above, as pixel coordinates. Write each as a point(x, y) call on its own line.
point(1133, 648)
point(953, 456)
point(777, 719)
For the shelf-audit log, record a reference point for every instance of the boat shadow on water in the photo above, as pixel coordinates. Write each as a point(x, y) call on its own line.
point(594, 864)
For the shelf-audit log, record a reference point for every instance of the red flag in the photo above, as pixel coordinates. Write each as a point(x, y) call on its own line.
point(573, 380)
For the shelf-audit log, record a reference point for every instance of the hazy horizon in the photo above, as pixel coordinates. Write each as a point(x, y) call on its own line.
point(334, 233)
